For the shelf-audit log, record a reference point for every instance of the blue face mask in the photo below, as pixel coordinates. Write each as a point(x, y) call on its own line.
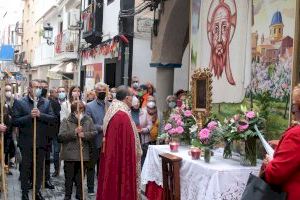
point(38, 92)
point(62, 96)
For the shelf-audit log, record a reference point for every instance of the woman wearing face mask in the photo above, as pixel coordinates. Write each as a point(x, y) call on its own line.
point(156, 119)
point(144, 124)
point(113, 92)
point(69, 134)
point(74, 94)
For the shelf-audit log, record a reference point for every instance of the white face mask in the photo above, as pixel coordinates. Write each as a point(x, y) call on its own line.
point(135, 101)
point(151, 104)
point(8, 94)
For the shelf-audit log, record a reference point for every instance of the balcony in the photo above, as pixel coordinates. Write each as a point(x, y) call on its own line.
point(44, 55)
point(92, 18)
point(66, 46)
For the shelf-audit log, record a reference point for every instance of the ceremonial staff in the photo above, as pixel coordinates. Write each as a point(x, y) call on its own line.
point(34, 148)
point(2, 141)
point(81, 155)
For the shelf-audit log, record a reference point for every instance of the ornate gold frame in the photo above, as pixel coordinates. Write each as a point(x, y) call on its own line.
point(201, 113)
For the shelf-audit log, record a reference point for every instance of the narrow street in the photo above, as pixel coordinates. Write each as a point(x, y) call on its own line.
point(14, 188)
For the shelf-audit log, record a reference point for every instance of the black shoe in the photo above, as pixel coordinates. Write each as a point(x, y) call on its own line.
point(49, 185)
point(25, 196)
point(39, 196)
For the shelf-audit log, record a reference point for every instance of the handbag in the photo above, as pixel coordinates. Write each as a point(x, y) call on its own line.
point(258, 189)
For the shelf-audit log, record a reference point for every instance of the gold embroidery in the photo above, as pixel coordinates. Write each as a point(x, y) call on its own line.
point(112, 110)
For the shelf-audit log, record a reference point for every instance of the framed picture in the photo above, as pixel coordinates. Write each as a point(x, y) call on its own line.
point(202, 93)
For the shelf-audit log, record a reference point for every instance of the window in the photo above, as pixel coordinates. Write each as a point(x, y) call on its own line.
point(109, 1)
point(279, 30)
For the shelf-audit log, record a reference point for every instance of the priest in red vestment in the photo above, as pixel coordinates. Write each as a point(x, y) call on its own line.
point(120, 167)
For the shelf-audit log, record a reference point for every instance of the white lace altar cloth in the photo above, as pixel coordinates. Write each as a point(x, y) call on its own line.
point(221, 179)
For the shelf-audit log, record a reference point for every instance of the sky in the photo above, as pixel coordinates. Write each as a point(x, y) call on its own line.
point(13, 10)
point(264, 10)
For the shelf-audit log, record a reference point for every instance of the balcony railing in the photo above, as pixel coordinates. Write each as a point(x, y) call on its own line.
point(92, 18)
point(66, 42)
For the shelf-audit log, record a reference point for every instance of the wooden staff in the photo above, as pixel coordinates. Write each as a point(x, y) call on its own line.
point(81, 153)
point(34, 149)
point(2, 142)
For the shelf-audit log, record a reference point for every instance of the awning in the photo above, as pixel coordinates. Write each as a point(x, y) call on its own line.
point(7, 53)
point(64, 68)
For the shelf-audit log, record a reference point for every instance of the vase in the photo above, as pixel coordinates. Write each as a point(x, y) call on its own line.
point(227, 153)
point(207, 154)
point(174, 144)
point(249, 153)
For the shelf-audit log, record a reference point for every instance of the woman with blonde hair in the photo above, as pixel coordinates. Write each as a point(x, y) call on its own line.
point(284, 169)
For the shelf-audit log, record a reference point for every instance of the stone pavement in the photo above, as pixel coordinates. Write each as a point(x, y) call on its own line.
point(14, 188)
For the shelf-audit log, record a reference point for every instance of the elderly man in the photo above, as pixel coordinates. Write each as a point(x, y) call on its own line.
point(96, 110)
point(23, 113)
point(119, 175)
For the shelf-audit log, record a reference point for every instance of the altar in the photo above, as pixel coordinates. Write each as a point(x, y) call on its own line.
point(221, 179)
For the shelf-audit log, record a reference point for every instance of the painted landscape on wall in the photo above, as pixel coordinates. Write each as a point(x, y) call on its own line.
point(272, 37)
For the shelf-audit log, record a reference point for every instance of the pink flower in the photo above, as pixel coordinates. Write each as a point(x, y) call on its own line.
point(212, 125)
point(204, 134)
point(179, 130)
point(179, 123)
point(250, 114)
point(172, 131)
point(243, 126)
point(188, 113)
point(176, 117)
point(168, 126)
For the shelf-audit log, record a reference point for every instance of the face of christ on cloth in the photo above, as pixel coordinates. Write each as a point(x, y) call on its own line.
point(221, 26)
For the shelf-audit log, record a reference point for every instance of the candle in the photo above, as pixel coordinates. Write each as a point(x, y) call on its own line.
point(174, 146)
point(195, 152)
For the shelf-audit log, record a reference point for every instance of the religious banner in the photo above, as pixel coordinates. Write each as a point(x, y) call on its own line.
point(224, 46)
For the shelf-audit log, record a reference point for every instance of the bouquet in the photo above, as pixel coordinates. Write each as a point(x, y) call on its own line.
point(209, 135)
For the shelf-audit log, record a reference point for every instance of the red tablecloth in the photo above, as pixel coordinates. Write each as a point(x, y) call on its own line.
point(154, 191)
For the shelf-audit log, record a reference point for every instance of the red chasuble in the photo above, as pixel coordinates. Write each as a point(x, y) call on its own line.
point(120, 162)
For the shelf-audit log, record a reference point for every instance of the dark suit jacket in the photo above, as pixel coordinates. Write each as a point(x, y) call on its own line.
point(54, 128)
point(22, 119)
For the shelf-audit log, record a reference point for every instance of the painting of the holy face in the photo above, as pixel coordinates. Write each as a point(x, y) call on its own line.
point(221, 25)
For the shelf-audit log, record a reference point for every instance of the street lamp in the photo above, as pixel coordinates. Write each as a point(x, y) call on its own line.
point(48, 33)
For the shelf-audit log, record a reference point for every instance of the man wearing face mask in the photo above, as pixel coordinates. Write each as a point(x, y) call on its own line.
point(135, 84)
point(96, 110)
point(62, 97)
point(50, 132)
point(119, 174)
point(22, 117)
point(54, 129)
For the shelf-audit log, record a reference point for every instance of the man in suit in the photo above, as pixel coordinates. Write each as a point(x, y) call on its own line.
point(24, 111)
point(96, 110)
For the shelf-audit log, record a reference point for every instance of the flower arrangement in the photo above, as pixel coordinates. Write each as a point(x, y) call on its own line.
point(181, 122)
point(208, 135)
point(241, 128)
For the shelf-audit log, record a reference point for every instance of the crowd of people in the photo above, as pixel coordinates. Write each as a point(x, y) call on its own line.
point(115, 127)
point(64, 115)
